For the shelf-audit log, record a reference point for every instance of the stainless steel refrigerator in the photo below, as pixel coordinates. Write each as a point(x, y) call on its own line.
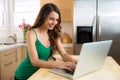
point(103, 16)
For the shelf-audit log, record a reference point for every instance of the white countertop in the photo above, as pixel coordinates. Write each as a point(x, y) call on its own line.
point(8, 47)
point(67, 45)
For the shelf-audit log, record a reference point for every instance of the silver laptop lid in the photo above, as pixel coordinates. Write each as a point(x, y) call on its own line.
point(92, 57)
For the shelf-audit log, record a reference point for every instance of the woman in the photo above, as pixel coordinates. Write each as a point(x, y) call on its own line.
point(42, 38)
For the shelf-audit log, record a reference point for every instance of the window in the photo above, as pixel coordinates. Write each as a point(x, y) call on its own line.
point(24, 9)
point(12, 12)
point(2, 14)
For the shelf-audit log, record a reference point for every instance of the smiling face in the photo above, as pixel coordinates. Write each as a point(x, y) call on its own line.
point(52, 20)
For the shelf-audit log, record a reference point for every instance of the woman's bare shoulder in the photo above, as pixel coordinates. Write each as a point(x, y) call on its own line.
point(31, 32)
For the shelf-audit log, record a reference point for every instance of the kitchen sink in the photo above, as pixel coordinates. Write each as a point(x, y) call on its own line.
point(9, 43)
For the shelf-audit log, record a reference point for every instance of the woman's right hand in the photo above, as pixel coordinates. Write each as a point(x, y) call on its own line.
point(66, 65)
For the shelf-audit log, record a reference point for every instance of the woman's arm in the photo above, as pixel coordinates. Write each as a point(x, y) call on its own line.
point(63, 53)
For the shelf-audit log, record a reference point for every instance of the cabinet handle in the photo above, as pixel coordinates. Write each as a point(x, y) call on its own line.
point(8, 54)
point(7, 64)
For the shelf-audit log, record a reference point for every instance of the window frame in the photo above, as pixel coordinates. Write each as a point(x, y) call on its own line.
point(8, 21)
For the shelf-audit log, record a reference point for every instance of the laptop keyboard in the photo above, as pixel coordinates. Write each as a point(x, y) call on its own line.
point(69, 72)
point(61, 72)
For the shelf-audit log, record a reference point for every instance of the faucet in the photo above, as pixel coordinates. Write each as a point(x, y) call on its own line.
point(14, 37)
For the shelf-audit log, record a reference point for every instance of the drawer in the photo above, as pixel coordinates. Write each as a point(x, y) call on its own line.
point(8, 54)
point(8, 69)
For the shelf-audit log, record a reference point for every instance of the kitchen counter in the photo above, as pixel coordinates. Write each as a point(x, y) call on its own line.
point(8, 47)
point(110, 71)
point(11, 46)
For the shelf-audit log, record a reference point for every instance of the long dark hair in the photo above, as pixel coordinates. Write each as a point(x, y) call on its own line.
point(43, 14)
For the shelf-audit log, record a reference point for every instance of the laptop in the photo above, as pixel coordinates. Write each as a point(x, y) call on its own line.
point(91, 59)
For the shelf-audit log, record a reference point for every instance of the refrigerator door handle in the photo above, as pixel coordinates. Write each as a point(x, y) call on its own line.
point(98, 28)
point(94, 29)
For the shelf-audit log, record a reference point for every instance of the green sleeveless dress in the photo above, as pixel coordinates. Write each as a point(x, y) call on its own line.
point(26, 69)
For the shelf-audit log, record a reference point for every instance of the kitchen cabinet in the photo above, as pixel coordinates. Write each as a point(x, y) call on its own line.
point(20, 54)
point(7, 64)
point(77, 49)
point(23, 54)
point(65, 6)
point(9, 60)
